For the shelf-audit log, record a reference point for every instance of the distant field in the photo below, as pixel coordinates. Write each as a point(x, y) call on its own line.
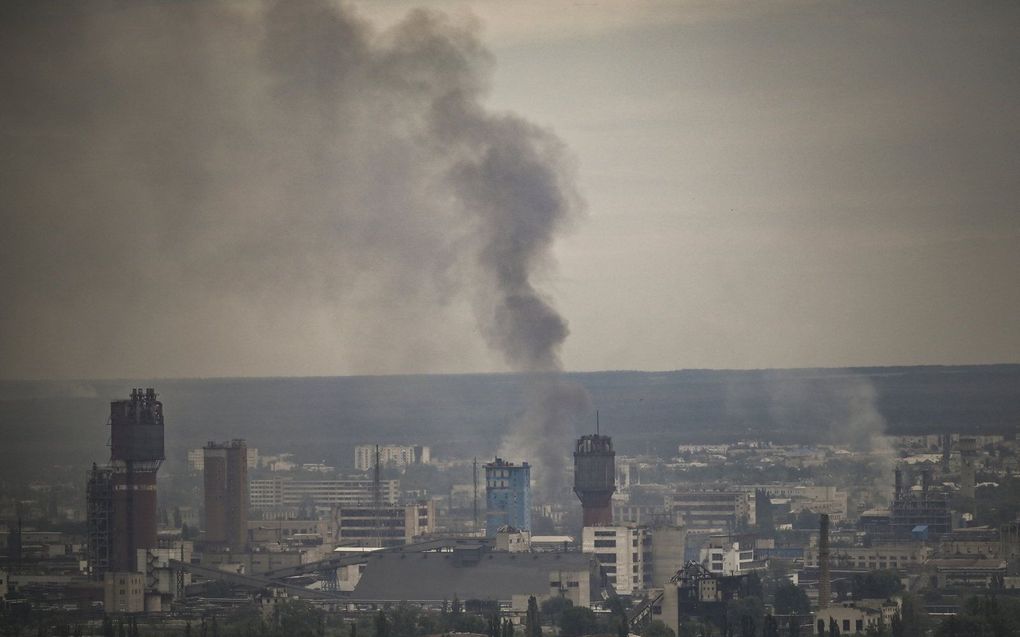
point(322, 418)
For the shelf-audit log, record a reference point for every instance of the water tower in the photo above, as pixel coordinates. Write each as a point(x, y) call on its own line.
point(595, 478)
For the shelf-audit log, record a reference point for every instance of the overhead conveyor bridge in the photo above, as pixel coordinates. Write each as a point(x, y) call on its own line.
point(247, 581)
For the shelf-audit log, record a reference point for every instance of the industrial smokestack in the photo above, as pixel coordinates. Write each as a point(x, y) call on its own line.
point(968, 454)
point(947, 449)
point(899, 483)
point(824, 583)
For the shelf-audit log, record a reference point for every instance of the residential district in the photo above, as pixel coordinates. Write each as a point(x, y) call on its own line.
point(912, 535)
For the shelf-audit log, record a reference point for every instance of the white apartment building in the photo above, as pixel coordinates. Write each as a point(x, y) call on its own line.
point(317, 467)
point(287, 492)
point(624, 552)
point(726, 558)
point(282, 462)
point(196, 459)
point(390, 455)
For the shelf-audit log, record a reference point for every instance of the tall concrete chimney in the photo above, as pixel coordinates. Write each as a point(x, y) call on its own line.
point(824, 583)
point(968, 457)
point(947, 449)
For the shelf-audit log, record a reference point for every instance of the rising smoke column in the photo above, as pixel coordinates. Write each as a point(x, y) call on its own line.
point(514, 187)
point(207, 181)
point(842, 409)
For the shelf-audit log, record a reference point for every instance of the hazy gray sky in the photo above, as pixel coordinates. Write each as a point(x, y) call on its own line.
point(766, 185)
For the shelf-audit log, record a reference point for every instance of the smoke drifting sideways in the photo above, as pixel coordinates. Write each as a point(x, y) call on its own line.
point(845, 411)
point(190, 182)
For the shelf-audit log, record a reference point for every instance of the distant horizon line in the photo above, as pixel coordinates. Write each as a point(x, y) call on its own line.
point(110, 379)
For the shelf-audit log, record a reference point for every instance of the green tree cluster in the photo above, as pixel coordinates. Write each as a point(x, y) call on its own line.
point(791, 599)
point(553, 608)
point(577, 621)
point(657, 628)
point(987, 616)
point(880, 584)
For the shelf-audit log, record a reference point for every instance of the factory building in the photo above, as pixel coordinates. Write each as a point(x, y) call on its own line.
point(124, 593)
point(389, 525)
point(916, 513)
point(225, 476)
point(725, 511)
point(121, 507)
point(636, 557)
point(624, 552)
point(480, 573)
point(696, 593)
point(595, 478)
point(901, 556)
point(507, 496)
point(850, 618)
point(818, 499)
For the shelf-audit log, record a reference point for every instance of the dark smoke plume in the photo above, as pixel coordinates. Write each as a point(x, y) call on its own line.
point(221, 186)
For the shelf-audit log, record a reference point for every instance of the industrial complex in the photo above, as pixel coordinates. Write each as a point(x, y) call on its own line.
point(269, 529)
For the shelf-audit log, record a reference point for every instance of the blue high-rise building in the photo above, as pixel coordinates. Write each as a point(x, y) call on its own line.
point(507, 496)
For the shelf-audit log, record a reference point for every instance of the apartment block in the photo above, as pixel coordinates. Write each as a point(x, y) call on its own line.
point(287, 492)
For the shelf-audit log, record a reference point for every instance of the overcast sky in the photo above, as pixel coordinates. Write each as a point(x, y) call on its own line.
point(763, 185)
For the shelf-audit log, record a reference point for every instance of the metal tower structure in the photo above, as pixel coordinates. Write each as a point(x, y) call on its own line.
point(99, 516)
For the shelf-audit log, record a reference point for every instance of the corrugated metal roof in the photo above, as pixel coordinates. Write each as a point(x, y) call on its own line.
point(489, 575)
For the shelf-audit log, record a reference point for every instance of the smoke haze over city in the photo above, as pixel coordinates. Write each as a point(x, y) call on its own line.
point(249, 189)
point(405, 318)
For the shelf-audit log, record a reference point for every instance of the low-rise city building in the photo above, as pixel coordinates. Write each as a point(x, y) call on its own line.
point(849, 618)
